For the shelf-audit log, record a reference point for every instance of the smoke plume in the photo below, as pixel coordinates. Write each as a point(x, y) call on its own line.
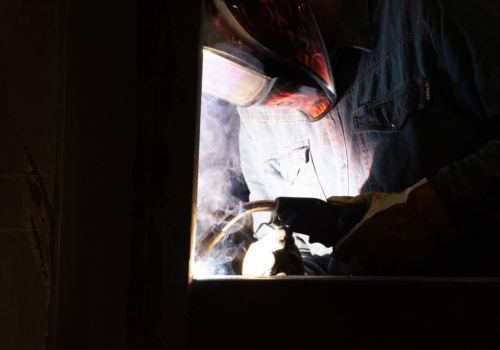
point(221, 186)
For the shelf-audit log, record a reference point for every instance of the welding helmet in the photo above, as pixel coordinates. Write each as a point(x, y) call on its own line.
point(268, 53)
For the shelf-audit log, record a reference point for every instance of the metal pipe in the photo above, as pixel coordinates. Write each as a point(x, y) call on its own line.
point(215, 233)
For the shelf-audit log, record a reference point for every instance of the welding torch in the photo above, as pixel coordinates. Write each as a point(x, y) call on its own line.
point(323, 222)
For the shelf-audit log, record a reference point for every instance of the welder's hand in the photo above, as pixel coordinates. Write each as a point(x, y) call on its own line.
point(274, 254)
point(398, 231)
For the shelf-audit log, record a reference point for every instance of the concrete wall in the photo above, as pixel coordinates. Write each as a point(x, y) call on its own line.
point(29, 90)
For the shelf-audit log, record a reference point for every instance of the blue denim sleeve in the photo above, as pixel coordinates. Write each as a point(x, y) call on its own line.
point(467, 41)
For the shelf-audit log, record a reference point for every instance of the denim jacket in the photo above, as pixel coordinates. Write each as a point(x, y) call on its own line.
point(418, 88)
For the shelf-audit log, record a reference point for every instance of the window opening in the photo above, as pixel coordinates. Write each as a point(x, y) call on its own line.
point(281, 65)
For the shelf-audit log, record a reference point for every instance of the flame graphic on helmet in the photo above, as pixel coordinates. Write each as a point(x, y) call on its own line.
point(312, 105)
point(286, 27)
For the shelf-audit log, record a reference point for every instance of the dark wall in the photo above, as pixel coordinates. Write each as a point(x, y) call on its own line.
point(97, 109)
point(29, 88)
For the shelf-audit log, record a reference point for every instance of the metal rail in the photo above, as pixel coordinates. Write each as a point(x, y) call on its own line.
point(215, 233)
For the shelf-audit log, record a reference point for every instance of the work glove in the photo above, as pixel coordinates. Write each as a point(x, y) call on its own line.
point(274, 254)
point(399, 231)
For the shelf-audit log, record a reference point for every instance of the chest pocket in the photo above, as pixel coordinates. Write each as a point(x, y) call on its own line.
point(389, 112)
point(286, 164)
point(294, 171)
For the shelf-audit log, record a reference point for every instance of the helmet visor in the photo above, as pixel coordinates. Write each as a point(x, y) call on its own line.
point(228, 78)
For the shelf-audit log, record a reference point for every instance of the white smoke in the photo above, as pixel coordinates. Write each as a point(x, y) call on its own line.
point(221, 187)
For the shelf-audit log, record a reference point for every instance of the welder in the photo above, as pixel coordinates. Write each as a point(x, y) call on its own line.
point(390, 106)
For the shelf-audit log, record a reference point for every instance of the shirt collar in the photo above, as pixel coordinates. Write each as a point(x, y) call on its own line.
point(354, 29)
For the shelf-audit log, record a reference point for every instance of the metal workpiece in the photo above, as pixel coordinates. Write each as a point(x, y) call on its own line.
point(323, 222)
point(215, 233)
